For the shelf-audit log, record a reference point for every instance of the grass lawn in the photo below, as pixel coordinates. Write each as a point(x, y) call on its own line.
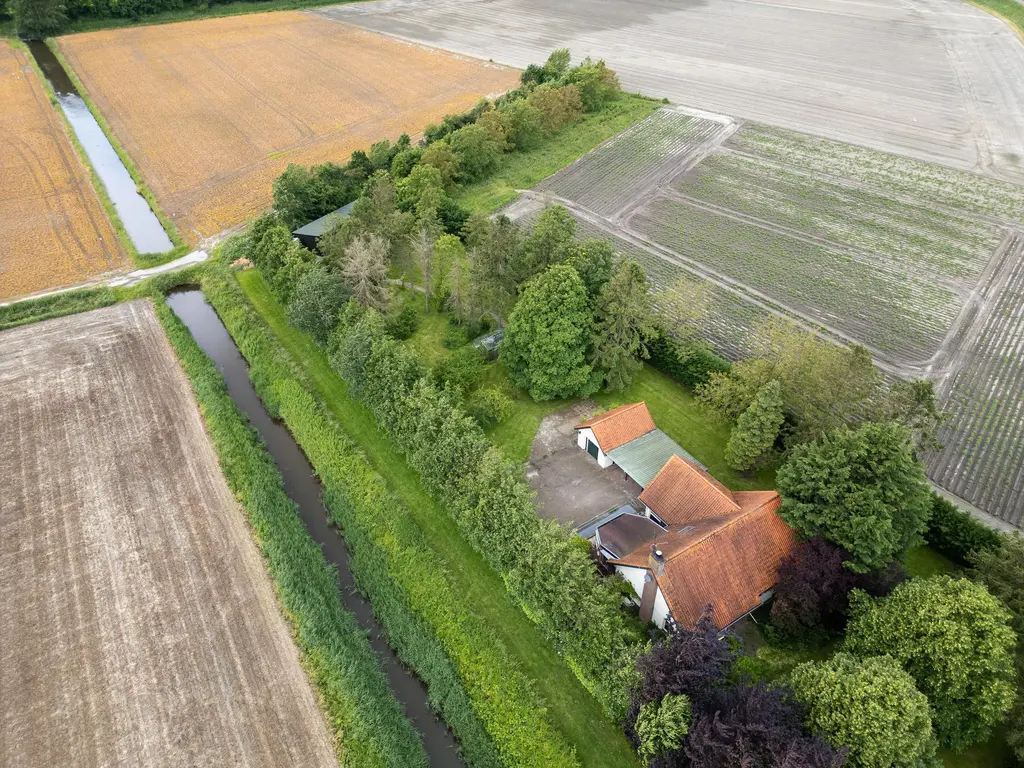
point(924, 561)
point(598, 741)
point(522, 170)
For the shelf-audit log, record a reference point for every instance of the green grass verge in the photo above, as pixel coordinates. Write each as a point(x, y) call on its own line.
point(570, 707)
point(1010, 11)
point(522, 170)
point(142, 260)
point(924, 561)
point(368, 724)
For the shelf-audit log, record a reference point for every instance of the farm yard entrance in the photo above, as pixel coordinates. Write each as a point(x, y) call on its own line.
point(140, 626)
point(570, 485)
point(215, 110)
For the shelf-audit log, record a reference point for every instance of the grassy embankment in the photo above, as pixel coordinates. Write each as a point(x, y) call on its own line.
point(368, 724)
point(574, 712)
point(142, 260)
point(523, 170)
point(1010, 11)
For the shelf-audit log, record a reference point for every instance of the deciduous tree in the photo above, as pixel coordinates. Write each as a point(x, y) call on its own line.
point(477, 150)
point(681, 306)
point(662, 725)
point(366, 271)
point(545, 343)
point(871, 706)
point(861, 489)
point(550, 242)
point(595, 261)
point(954, 638)
point(37, 18)
point(316, 303)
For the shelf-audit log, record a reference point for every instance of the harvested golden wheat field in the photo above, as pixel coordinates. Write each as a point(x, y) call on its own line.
point(212, 111)
point(139, 624)
point(53, 230)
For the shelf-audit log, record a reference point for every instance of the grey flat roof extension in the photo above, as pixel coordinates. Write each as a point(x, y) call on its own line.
point(642, 458)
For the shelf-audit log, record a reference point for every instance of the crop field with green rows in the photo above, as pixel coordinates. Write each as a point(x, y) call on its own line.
point(923, 264)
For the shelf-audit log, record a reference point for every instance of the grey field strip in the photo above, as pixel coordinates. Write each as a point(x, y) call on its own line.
point(139, 624)
point(937, 80)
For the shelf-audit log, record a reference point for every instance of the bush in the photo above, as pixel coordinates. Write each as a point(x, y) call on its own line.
point(872, 707)
point(690, 364)
point(402, 323)
point(661, 726)
point(757, 429)
point(489, 406)
point(460, 371)
point(957, 533)
point(954, 639)
point(454, 336)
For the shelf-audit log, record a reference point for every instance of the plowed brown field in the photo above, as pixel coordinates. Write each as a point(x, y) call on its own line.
point(139, 625)
point(53, 230)
point(212, 111)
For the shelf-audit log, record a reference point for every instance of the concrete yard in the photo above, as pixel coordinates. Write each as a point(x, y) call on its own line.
point(139, 625)
point(937, 80)
point(569, 484)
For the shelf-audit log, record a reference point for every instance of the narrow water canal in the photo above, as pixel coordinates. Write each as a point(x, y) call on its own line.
point(304, 489)
point(142, 225)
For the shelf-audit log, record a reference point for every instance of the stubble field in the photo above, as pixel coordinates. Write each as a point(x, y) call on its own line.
point(922, 264)
point(53, 230)
point(139, 624)
point(214, 110)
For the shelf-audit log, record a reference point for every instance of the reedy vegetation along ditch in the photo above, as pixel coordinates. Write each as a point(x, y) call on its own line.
point(459, 613)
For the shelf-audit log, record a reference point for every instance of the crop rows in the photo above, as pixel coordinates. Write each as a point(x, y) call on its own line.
point(895, 176)
point(912, 233)
point(615, 173)
point(983, 456)
point(883, 307)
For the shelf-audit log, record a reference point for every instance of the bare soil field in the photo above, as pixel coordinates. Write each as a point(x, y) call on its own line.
point(53, 230)
point(214, 110)
point(921, 263)
point(937, 80)
point(139, 624)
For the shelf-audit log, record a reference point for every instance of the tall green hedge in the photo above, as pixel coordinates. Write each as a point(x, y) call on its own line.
point(488, 496)
point(471, 680)
point(956, 533)
point(369, 725)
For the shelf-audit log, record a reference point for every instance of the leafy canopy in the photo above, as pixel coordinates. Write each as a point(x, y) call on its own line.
point(861, 489)
point(954, 638)
point(623, 326)
point(871, 706)
point(757, 428)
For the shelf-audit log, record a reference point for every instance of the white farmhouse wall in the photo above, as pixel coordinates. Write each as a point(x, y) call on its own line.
point(660, 610)
point(585, 434)
point(635, 576)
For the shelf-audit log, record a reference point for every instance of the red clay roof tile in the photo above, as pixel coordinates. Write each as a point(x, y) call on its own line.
point(620, 425)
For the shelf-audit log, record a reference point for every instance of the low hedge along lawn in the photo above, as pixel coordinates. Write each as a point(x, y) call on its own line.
point(480, 692)
point(369, 725)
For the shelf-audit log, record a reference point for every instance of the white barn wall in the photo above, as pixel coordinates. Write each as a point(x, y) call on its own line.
point(582, 435)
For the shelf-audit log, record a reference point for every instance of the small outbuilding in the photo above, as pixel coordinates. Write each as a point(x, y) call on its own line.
point(489, 343)
point(310, 234)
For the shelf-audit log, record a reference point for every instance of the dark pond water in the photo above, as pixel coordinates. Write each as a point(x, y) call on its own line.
point(304, 489)
point(139, 221)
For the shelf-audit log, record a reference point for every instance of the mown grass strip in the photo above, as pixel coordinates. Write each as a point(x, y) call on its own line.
point(142, 260)
point(368, 724)
point(1010, 11)
point(524, 169)
point(387, 542)
point(578, 715)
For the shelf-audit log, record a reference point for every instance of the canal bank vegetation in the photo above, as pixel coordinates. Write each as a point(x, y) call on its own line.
point(409, 559)
point(368, 724)
point(142, 260)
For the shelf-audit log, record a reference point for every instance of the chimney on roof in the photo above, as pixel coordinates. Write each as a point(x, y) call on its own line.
point(656, 561)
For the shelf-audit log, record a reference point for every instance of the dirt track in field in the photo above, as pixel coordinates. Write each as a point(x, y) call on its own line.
point(139, 626)
point(215, 110)
point(938, 80)
point(53, 230)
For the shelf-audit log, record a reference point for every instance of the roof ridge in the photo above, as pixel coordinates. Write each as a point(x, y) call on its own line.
point(618, 408)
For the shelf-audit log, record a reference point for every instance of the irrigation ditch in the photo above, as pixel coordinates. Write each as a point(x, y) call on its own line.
point(141, 224)
point(302, 486)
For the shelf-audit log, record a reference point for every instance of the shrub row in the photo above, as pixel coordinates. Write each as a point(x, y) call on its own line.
point(690, 364)
point(545, 571)
point(60, 304)
point(957, 533)
point(369, 725)
point(480, 693)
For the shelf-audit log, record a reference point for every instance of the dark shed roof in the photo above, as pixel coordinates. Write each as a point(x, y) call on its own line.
point(318, 227)
point(627, 532)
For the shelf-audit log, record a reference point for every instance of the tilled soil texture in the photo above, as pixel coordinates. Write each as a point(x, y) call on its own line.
point(53, 230)
point(937, 80)
point(213, 111)
point(139, 625)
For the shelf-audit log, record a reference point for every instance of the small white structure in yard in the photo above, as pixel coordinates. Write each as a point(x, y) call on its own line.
point(609, 430)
